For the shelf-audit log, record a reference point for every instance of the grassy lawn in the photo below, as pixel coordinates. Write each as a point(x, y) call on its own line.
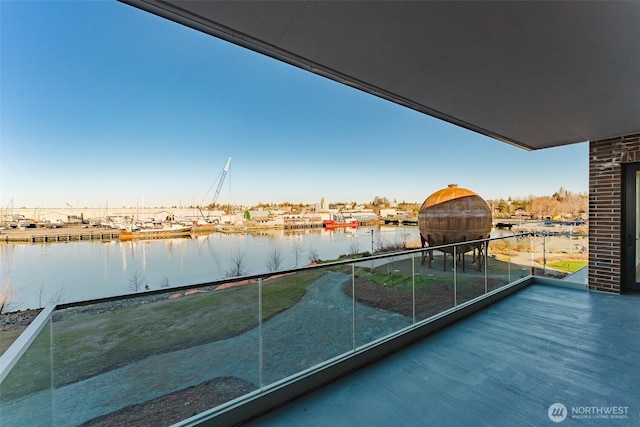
point(568, 265)
point(89, 343)
point(33, 371)
point(8, 337)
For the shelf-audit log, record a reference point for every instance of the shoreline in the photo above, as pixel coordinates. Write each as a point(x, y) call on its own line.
point(82, 232)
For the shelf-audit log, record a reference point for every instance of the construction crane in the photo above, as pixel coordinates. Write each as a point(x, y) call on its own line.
point(223, 174)
point(220, 180)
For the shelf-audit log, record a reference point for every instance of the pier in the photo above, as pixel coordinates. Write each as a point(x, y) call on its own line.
point(70, 234)
point(302, 225)
point(504, 225)
point(399, 220)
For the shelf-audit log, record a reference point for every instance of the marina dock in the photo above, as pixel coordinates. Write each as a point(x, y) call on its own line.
point(399, 220)
point(65, 234)
point(77, 232)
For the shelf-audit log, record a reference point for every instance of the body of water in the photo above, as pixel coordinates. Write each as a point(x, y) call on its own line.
point(38, 274)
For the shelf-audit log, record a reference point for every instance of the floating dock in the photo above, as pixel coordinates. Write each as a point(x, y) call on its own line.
point(36, 235)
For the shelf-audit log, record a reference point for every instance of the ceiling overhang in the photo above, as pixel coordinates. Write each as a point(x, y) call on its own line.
point(532, 74)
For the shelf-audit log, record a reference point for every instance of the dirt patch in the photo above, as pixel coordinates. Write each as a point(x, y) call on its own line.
point(176, 406)
point(431, 300)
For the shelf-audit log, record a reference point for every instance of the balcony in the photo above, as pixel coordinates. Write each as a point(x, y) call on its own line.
point(488, 338)
point(504, 366)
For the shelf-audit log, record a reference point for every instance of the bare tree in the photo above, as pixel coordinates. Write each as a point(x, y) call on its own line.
point(274, 260)
point(8, 300)
point(40, 294)
point(297, 252)
point(4, 298)
point(164, 282)
point(137, 282)
point(404, 238)
point(354, 247)
point(238, 266)
point(58, 296)
point(313, 255)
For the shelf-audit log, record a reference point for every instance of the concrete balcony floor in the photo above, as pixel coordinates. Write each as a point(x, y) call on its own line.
point(503, 366)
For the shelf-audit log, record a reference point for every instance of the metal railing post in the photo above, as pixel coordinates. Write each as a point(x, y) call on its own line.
point(413, 285)
point(544, 252)
point(486, 262)
point(455, 279)
point(260, 339)
point(353, 305)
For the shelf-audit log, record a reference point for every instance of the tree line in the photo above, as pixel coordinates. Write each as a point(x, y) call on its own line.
point(561, 204)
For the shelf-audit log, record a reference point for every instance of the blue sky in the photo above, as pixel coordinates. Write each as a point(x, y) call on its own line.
point(104, 104)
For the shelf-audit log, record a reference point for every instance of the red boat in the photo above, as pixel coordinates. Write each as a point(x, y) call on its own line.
point(340, 221)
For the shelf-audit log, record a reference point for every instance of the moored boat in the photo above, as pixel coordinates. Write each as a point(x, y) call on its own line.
point(164, 232)
point(340, 221)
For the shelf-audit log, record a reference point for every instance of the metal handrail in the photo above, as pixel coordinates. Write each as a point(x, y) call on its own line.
point(10, 357)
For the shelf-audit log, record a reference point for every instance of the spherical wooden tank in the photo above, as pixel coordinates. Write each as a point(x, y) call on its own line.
point(454, 215)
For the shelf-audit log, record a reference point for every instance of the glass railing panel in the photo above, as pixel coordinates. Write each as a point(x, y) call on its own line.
point(469, 260)
point(578, 258)
point(153, 350)
point(383, 297)
point(434, 282)
point(499, 268)
point(520, 251)
point(26, 393)
point(307, 320)
point(561, 253)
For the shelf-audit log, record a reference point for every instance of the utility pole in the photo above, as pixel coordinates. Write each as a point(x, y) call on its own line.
point(372, 241)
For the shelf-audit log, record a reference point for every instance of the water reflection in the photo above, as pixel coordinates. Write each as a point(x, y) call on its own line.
point(73, 271)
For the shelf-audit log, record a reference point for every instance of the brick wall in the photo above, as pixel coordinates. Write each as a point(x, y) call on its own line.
point(605, 208)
